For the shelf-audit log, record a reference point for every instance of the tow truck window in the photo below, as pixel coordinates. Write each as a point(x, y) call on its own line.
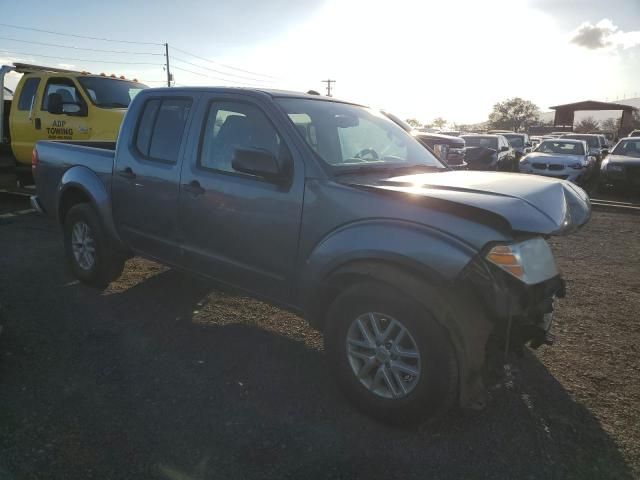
point(110, 92)
point(63, 86)
point(28, 92)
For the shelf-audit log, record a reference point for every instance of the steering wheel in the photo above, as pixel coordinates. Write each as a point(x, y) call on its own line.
point(367, 151)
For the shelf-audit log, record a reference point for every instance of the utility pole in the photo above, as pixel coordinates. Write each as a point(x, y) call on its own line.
point(166, 54)
point(328, 82)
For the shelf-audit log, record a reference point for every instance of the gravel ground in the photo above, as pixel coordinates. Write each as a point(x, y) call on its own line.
point(163, 377)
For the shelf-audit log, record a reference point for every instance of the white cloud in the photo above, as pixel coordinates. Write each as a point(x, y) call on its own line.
point(604, 34)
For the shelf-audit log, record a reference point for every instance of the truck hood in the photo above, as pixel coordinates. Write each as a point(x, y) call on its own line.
point(528, 203)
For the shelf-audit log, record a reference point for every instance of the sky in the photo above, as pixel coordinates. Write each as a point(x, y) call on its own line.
point(416, 58)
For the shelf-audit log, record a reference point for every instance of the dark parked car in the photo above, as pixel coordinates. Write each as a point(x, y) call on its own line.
point(520, 143)
point(449, 149)
point(593, 141)
point(621, 168)
point(489, 152)
point(334, 212)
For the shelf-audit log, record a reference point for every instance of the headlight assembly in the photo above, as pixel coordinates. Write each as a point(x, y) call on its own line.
point(530, 261)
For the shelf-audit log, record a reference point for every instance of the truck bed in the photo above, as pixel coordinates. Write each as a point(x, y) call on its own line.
point(56, 157)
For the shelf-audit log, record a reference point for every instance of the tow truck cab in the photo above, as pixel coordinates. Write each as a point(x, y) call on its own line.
point(56, 104)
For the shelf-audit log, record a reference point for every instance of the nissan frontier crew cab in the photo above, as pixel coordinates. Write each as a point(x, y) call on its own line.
point(330, 210)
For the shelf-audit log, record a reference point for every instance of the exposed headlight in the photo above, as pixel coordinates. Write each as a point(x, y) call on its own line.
point(524, 161)
point(615, 168)
point(530, 261)
point(576, 165)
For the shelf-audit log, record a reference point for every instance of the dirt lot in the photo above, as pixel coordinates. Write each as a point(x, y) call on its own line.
point(163, 377)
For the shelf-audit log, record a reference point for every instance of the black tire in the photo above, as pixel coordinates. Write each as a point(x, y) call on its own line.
point(108, 263)
point(437, 385)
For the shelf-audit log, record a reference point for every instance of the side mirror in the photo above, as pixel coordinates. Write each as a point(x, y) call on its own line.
point(56, 106)
point(528, 145)
point(504, 149)
point(54, 103)
point(259, 162)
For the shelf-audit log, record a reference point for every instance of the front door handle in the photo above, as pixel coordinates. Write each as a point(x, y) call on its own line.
point(126, 173)
point(193, 187)
point(37, 123)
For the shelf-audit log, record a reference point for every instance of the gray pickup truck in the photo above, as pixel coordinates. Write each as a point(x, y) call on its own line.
point(330, 210)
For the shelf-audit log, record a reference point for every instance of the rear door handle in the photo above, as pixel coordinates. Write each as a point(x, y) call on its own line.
point(126, 173)
point(193, 187)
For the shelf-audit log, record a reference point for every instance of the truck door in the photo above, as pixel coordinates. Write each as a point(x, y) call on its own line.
point(72, 123)
point(239, 228)
point(21, 122)
point(146, 178)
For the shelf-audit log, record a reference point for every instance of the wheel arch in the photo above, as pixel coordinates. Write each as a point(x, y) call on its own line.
point(80, 184)
point(456, 308)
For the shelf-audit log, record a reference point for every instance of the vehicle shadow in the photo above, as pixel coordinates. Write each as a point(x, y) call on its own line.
point(167, 377)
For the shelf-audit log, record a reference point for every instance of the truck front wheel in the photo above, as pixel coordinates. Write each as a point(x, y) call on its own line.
point(390, 357)
point(91, 258)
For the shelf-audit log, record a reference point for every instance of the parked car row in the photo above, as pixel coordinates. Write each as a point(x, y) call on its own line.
point(581, 158)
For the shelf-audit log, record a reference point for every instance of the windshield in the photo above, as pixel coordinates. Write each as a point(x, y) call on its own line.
point(560, 147)
point(350, 137)
point(516, 141)
point(591, 141)
point(109, 92)
point(478, 141)
point(629, 148)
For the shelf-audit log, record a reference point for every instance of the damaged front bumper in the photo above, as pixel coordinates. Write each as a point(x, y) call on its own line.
point(522, 314)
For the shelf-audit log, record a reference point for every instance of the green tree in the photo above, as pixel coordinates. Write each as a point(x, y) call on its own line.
point(513, 114)
point(439, 122)
point(413, 122)
point(586, 125)
point(610, 124)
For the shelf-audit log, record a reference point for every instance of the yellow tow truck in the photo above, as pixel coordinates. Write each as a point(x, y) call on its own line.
point(56, 104)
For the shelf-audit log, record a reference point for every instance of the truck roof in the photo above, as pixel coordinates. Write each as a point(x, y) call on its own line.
point(28, 68)
point(269, 92)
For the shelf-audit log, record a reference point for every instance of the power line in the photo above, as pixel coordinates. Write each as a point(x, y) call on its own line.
point(218, 71)
point(79, 59)
point(223, 65)
point(80, 48)
point(215, 78)
point(76, 36)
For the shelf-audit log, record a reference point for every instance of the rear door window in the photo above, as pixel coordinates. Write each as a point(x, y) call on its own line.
point(145, 127)
point(28, 93)
point(161, 128)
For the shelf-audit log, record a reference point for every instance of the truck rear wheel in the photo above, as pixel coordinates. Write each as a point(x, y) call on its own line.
point(91, 258)
point(390, 357)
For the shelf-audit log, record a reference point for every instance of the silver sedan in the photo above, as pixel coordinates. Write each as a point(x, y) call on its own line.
point(562, 158)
